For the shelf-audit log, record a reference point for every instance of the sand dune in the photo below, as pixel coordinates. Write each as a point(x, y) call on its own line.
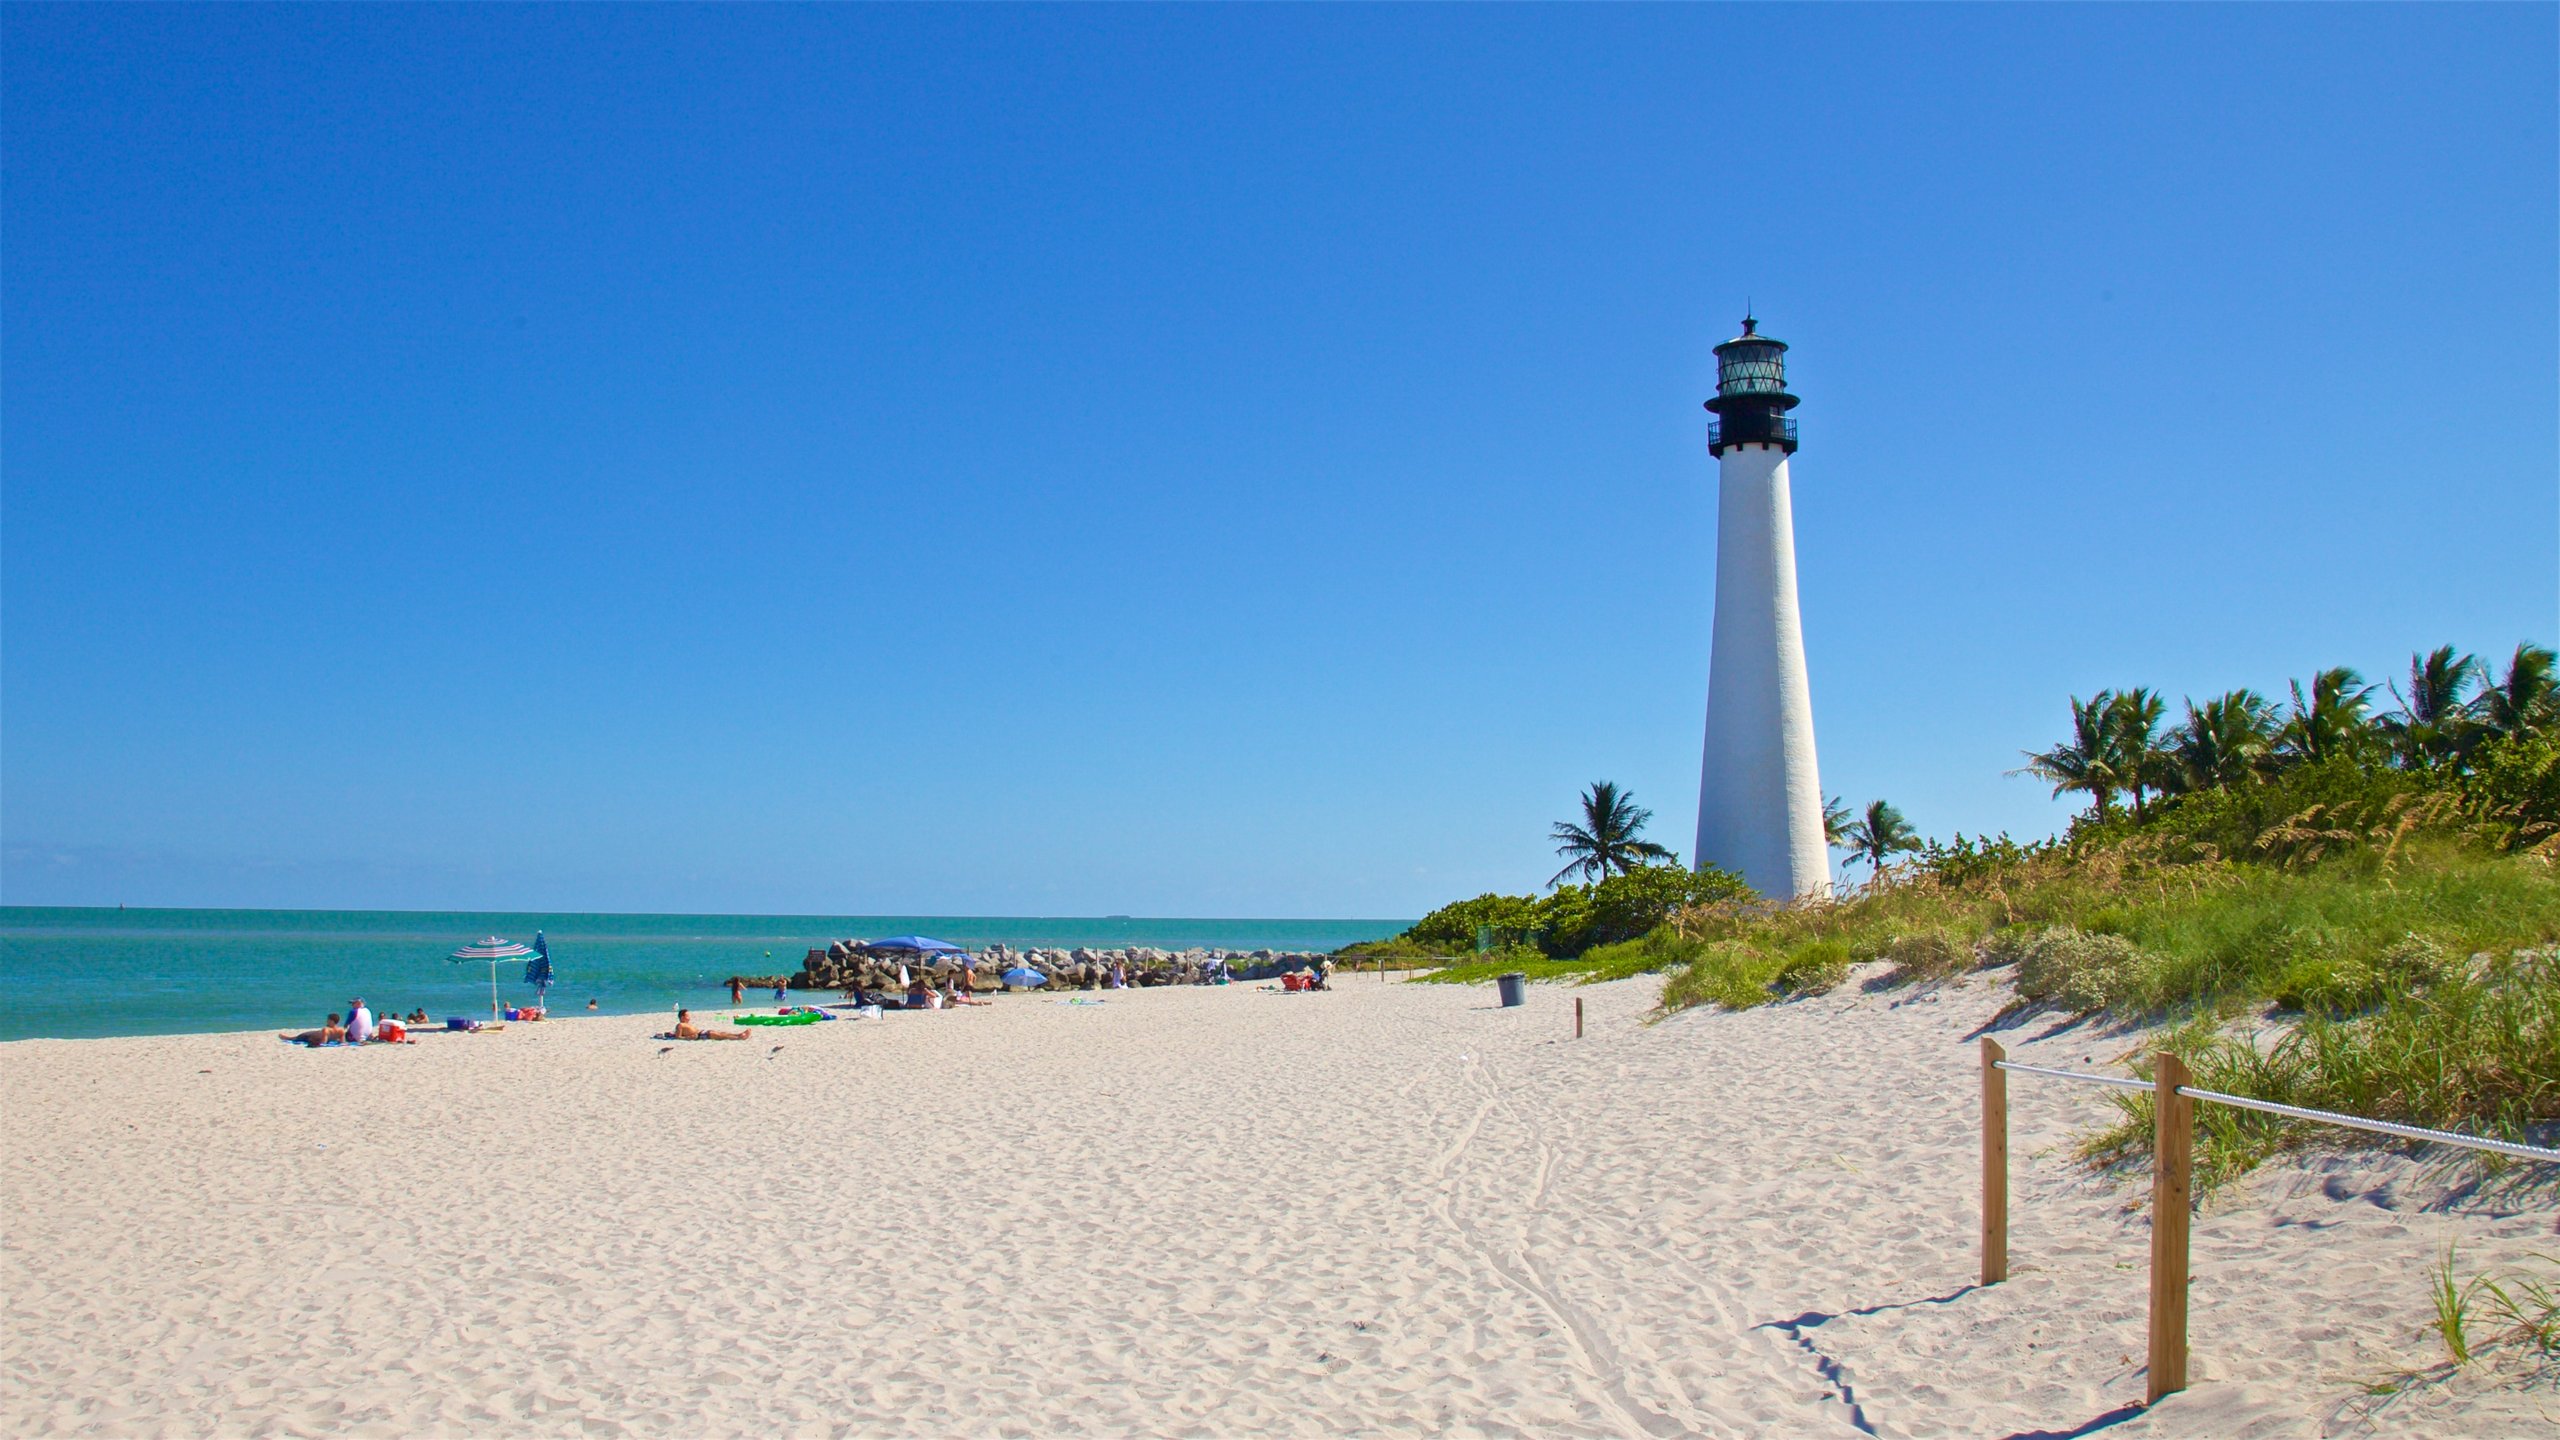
point(1212, 1212)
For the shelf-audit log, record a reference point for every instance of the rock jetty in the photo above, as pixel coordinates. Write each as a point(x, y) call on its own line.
point(849, 962)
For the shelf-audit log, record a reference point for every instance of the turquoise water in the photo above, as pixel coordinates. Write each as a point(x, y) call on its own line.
point(75, 973)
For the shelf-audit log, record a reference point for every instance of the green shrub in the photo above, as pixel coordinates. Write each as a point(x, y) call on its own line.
point(2009, 944)
point(1815, 968)
point(2515, 781)
point(1925, 955)
point(1725, 972)
point(1575, 918)
point(1453, 929)
point(1655, 950)
point(2231, 823)
point(2360, 982)
point(2477, 1056)
point(1481, 969)
point(2079, 971)
point(1622, 907)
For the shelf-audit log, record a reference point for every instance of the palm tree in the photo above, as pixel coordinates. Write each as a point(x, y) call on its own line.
point(1835, 823)
point(2224, 741)
point(1606, 840)
point(1878, 836)
point(2086, 762)
point(2435, 716)
point(2328, 722)
point(2527, 700)
point(2133, 744)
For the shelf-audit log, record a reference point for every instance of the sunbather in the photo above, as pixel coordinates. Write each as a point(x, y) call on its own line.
point(687, 1030)
point(332, 1033)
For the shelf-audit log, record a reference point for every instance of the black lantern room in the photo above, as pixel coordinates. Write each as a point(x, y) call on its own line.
point(1751, 401)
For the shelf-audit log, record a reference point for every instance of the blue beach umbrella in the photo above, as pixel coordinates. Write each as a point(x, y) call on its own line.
point(917, 943)
point(537, 971)
point(493, 950)
point(1023, 977)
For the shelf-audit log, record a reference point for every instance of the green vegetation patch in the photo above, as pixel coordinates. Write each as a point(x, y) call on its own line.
point(2479, 1054)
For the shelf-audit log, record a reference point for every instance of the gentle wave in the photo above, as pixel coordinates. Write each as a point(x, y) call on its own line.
point(89, 972)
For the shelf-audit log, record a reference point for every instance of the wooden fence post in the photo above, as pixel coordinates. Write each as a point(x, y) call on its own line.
point(1995, 1163)
point(2173, 1132)
point(1577, 1017)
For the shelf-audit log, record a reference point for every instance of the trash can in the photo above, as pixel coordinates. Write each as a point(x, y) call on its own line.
point(1515, 988)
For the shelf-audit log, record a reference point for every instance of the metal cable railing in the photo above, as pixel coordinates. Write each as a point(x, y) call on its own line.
point(2172, 1180)
point(2117, 1081)
point(2296, 1112)
point(2381, 1127)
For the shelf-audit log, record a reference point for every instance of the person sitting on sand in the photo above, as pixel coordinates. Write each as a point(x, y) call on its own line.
point(418, 1016)
point(687, 1030)
point(332, 1033)
point(919, 994)
point(359, 1022)
point(959, 995)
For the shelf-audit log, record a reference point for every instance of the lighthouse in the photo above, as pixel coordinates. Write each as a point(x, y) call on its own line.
point(1759, 793)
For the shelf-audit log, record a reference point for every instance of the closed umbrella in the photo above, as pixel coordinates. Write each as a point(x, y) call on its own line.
point(537, 971)
point(493, 950)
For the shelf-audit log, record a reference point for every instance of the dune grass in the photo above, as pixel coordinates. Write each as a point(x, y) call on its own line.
point(2418, 982)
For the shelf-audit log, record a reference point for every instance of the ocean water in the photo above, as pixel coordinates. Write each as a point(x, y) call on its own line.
point(74, 973)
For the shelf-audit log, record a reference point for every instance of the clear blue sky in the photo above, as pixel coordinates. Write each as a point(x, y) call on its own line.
point(1198, 461)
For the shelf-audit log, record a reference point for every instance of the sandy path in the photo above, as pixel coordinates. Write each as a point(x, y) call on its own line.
point(1209, 1212)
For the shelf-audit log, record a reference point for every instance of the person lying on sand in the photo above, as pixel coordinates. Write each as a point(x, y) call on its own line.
point(959, 996)
point(687, 1030)
point(332, 1033)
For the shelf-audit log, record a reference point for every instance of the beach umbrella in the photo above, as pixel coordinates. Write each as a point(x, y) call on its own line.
point(1023, 977)
point(493, 950)
point(537, 971)
point(921, 945)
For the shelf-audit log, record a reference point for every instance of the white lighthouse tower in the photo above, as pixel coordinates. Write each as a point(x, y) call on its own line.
point(1759, 794)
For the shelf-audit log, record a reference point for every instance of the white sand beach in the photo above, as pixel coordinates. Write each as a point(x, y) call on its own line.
point(1390, 1209)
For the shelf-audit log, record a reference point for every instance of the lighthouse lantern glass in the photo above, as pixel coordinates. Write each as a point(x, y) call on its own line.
point(1747, 368)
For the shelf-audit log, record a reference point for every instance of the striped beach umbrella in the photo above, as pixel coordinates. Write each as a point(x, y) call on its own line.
point(493, 950)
